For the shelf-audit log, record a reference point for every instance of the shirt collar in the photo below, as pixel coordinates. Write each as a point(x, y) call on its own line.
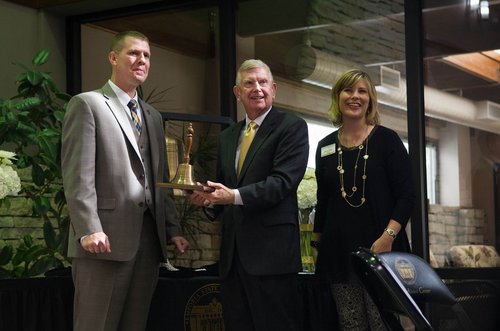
point(259, 119)
point(123, 97)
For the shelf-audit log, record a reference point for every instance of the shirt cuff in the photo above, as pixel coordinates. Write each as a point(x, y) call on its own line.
point(83, 238)
point(237, 198)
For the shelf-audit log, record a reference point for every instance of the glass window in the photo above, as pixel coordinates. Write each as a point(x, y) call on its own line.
point(315, 42)
point(431, 170)
point(462, 94)
point(184, 75)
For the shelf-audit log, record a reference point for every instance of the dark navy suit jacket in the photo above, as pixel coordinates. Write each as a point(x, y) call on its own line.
point(265, 229)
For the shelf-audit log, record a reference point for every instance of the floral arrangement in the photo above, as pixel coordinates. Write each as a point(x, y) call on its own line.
point(10, 183)
point(306, 197)
point(306, 192)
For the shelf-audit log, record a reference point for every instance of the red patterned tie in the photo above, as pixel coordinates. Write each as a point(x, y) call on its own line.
point(134, 111)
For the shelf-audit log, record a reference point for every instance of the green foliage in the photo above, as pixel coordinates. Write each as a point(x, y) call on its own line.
point(203, 157)
point(28, 260)
point(31, 122)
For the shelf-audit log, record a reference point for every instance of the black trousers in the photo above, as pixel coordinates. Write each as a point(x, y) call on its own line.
point(260, 303)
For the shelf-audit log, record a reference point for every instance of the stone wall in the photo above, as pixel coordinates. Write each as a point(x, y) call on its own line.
point(16, 222)
point(204, 240)
point(204, 236)
point(449, 226)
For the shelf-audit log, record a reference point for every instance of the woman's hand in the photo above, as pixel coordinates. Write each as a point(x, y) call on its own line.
point(382, 244)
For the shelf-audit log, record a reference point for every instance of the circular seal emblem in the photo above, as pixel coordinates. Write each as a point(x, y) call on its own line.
point(406, 271)
point(203, 310)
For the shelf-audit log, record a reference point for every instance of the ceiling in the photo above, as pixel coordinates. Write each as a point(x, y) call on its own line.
point(366, 36)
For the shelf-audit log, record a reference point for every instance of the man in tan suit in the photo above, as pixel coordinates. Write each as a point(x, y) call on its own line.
point(113, 153)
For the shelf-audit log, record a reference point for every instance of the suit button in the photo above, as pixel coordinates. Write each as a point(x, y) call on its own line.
point(141, 176)
point(141, 204)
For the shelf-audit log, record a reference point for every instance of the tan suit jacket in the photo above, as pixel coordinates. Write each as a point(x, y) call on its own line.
point(104, 176)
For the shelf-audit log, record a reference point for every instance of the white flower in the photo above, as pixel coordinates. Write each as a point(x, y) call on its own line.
point(6, 157)
point(10, 183)
point(306, 192)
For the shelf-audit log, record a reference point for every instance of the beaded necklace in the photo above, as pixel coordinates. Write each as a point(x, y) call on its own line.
point(340, 168)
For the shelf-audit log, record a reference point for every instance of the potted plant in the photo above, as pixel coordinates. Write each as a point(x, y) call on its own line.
point(30, 126)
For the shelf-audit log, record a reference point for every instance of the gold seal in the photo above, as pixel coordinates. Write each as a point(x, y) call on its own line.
point(203, 310)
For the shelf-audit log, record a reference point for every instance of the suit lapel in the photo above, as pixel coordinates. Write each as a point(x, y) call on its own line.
point(260, 137)
point(232, 146)
point(153, 132)
point(121, 117)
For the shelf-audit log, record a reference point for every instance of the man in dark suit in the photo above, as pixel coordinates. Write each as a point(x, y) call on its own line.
point(113, 153)
point(257, 195)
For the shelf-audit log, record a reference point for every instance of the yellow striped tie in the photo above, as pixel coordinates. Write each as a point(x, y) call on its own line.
point(134, 111)
point(246, 142)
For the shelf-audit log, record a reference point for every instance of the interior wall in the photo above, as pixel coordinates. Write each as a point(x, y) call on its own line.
point(455, 166)
point(183, 76)
point(245, 49)
point(26, 31)
point(465, 166)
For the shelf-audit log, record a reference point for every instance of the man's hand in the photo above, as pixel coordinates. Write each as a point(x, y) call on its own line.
point(96, 242)
point(221, 196)
point(197, 199)
point(181, 244)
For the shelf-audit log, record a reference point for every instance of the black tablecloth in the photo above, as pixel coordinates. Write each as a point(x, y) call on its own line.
point(180, 303)
point(41, 304)
point(188, 301)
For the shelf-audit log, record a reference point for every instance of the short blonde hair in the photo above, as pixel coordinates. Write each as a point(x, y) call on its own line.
point(117, 42)
point(348, 79)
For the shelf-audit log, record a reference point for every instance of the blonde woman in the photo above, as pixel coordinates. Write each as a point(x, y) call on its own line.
point(365, 195)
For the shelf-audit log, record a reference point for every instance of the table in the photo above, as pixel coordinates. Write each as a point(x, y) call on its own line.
point(182, 302)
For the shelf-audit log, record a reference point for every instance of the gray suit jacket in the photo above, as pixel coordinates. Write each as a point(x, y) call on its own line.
point(104, 177)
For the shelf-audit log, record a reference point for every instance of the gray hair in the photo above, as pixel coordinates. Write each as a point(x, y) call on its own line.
point(251, 64)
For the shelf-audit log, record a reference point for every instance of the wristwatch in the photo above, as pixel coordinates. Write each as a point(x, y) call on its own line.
point(391, 232)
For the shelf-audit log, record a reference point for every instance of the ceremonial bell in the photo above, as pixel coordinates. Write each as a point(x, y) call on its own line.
point(184, 175)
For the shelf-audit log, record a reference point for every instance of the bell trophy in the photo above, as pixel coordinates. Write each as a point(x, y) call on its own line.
point(183, 178)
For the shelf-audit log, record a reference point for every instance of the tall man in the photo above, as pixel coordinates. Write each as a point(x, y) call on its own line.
point(260, 250)
point(113, 153)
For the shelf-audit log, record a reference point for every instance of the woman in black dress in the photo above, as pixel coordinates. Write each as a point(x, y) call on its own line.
point(365, 195)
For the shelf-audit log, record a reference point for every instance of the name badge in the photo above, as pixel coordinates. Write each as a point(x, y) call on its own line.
point(328, 150)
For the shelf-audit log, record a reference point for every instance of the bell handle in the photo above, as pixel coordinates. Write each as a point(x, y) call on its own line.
point(189, 142)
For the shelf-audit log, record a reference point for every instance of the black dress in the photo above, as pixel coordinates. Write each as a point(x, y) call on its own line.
point(388, 191)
